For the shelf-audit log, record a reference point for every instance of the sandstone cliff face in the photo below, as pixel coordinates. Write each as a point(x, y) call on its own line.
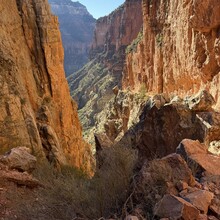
point(118, 29)
point(36, 108)
point(77, 27)
point(92, 85)
point(179, 52)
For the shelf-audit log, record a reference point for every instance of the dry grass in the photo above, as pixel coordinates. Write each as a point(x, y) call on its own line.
point(70, 194)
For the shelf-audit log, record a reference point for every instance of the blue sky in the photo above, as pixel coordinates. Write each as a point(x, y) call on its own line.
point(100, 8)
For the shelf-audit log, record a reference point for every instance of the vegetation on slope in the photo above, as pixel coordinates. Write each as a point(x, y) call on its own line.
point(70, 193)
point(133, 46)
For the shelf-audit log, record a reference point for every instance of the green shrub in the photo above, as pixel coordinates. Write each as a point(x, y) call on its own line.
point(159, 39)
point(133, 46)
point(142, 91)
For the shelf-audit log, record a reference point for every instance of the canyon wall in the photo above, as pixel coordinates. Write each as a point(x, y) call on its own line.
point(76, 26)
point(92, 85)
point(179, 52)
point(36, 108)
point(118, 29)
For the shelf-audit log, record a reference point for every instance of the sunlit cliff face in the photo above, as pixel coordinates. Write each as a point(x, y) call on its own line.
point(37, 110)
point(179, 52)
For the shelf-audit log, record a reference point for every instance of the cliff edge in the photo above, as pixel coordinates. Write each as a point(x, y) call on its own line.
point(36, 108)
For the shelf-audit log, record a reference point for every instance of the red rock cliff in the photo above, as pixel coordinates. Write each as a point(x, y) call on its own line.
point(119, 28)
point(92, 85)
point(36, 108)
point(179, 52)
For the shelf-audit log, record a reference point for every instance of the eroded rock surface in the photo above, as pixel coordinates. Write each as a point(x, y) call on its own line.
point(20, 158)
point(176, 208)
point(77, 27)
point(36, 108)
point(199, 156)
point(201, 199)
point(179, 52)
point(92, 86)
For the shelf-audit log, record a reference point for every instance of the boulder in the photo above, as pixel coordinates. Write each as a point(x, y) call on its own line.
point(173, 168)
point(201, 199)
point(175, 208)
point(20, 158)
point(215, 206)
point(18, 178)
point(197, 156)
point(160, 176)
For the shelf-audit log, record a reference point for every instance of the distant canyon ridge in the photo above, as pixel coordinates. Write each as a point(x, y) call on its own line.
point(77, 26)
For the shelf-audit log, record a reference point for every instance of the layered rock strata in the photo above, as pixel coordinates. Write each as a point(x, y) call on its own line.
point(92, 85)
point(36, 108)
point(179, 52)
point(77, 27)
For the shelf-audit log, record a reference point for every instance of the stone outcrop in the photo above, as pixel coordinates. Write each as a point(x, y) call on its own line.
point(176, 208)
point(162, 128)
point(36, 108)
point(163, 123)
point(18, 178)
point(167, 188)
point(200, 158)
point(201, 199)
point(20, 158)
point(169, 169)
point(179, 52)
point(77, 27)
point(92, 86)
point(120, 114)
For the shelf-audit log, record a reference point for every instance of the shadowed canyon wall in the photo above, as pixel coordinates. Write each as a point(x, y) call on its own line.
point(76, 27)
point(36, 108)
point(179, 52)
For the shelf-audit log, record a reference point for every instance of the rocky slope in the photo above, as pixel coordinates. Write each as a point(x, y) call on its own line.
point(92, 85)
point(164, 59)
point(77, 27)
point(179, 52)
point(36, 108)
point(164, 122)
point(167, 185)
